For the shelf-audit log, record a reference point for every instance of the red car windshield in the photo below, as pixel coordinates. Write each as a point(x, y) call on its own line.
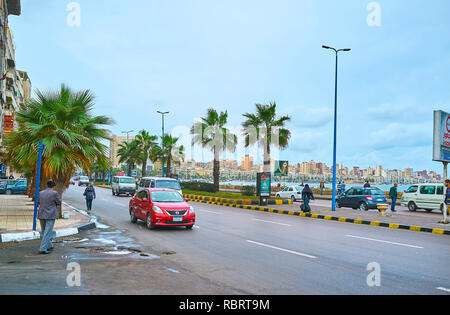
point(166, 196)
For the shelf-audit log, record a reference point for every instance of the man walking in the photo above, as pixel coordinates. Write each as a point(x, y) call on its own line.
point(393, 193)
point(447, 196)
point(89, 193)
point(48, 213)
point(322, 186)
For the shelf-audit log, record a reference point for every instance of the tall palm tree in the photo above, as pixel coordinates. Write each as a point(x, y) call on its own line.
point(130, 153)
point(260, 128)
point(146, 144)
point(71, 134)
point(170, 152)
point(211, 133)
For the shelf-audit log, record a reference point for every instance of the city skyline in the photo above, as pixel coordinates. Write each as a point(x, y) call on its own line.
point(189, 58)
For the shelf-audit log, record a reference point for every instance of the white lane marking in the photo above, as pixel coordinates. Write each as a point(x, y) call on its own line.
point(209, 211)
point(196, 227)
point(172, 270)
point(387, 242)
point(282, 249)
point(271, 222)
point(444, 289)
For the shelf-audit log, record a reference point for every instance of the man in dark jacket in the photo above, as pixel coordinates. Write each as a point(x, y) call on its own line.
point(89, 193)
point(393, 193)
point(47, 214)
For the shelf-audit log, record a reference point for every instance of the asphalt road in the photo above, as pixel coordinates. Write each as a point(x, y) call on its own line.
point(264, 253)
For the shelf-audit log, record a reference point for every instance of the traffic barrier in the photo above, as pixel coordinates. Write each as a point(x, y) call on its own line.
point(238, 201)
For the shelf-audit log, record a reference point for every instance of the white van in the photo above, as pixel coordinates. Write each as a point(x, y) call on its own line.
point(160, 182)
point(123, 185)
point(424, 196)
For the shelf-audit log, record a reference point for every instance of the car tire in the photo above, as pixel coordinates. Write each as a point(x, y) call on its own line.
point(293, 199)
point(148, 222)
point(363, 206)
point(338, 204)
point(428, 210)
point(412, 206)
point(133, 219)
point(277, 196)
point(189, 227)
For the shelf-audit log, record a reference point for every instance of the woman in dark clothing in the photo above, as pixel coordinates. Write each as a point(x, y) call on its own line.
point(89, 193)
point(307, 196)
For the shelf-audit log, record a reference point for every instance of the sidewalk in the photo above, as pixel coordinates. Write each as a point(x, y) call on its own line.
point(16, 217)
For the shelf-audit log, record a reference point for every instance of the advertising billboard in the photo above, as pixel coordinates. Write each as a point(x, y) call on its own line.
point(281, 168)
point(263, 184)
point(441, 142)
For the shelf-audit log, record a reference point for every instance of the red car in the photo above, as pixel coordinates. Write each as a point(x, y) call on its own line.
point(161, 207)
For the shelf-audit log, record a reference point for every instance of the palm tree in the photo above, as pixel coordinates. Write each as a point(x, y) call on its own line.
point(211, 133)
point(130, 153)
point(260, 128)
point(146, 144)
point(170, 152)
point(71, 134)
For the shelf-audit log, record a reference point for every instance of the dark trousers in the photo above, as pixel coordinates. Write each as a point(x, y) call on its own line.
point(394, 202)
point(89, 204)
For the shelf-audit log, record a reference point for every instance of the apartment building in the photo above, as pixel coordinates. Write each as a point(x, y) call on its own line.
point(15, 85)
point(114, 146)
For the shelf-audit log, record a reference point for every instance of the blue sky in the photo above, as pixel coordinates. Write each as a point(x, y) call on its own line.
point(184, 56)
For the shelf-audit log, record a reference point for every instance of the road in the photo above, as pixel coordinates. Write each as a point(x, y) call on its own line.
point(264, 253)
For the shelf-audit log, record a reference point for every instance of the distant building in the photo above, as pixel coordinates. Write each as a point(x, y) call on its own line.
point(114, 146)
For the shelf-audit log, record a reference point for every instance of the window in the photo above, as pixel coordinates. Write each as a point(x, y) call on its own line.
point(127, 180)
point(350, 192)
point(166, 196)
point(440, 190)
point(412, 189)
point(358, 192)
point(171, 184)
point(428, 190)
point(291, 189)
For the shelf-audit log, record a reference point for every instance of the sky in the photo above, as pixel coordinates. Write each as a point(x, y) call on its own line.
point(184, 56)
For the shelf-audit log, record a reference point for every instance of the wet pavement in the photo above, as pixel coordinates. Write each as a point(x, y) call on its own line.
point(110, 262)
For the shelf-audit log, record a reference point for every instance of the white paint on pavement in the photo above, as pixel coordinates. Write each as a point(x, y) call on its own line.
point(208, 211)
point(282, 249)
point(271, 222)
point(382, 241)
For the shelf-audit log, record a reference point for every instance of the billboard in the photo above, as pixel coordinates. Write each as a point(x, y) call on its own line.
point(263, 184)
point(441, 136)
point(281, 168)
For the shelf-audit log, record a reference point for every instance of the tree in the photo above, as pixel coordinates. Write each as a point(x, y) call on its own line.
point(170, 152)
point(146, 144)
point(130, 153)
point(211, 133)
point(71, 134)
point(262, 126)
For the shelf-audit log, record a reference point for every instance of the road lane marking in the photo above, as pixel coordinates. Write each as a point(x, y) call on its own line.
point(209, 211)
point(282, 249)
point(387, 242)
point(196, 227)
point(271, 222)
point(443, 289)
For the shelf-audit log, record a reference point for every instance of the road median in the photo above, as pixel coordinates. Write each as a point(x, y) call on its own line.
point(237, 201)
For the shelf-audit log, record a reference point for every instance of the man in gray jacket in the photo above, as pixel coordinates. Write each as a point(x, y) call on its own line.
point(48, 213)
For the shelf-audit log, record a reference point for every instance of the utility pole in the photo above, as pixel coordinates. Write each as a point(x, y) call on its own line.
point(128, 166)
point(162, 141)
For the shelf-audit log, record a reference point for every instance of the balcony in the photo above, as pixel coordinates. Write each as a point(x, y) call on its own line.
point(14, 7)
point(11, 99)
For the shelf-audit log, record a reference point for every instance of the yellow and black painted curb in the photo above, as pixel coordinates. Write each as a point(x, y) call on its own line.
point(324, 217)
point(237, 201)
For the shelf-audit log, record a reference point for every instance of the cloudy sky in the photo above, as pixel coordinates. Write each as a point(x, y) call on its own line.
point(139, 56)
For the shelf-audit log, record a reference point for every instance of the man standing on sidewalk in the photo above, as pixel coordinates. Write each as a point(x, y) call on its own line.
point(447, 195)
point(393, 193)
point(48, 213)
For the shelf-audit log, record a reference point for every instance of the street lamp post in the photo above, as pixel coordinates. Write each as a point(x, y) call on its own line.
point(162, 141)
point(335, 123)
point(128, 166)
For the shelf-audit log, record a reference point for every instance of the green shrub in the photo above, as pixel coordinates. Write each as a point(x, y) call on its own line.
point(248, 190)
point(197, 186)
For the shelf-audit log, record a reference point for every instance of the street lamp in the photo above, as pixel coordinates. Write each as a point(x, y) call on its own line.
point(162, 140)
point(335, 123)
point(128, 166)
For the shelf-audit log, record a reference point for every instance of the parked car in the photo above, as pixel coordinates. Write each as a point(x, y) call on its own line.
point(18, 187)
point(291, 192)
point(361, 198)
point(424, 196)
point(160, 182)
point(123, 185)
point(3, 185)
point(161, 207)
point(84, 181)
point(72, 181)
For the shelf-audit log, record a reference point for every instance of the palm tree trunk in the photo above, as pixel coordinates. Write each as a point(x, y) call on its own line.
point(267, 165)
point(144, 168)
point(169, 168)
point(216, 170)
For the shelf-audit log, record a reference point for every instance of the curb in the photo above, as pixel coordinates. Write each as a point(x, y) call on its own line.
point(332, 218)
point(237, 201)
point(34, 235)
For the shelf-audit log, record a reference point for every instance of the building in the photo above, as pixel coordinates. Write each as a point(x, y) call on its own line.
point(114, 146)
point(15, 85)
point(247, 163)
